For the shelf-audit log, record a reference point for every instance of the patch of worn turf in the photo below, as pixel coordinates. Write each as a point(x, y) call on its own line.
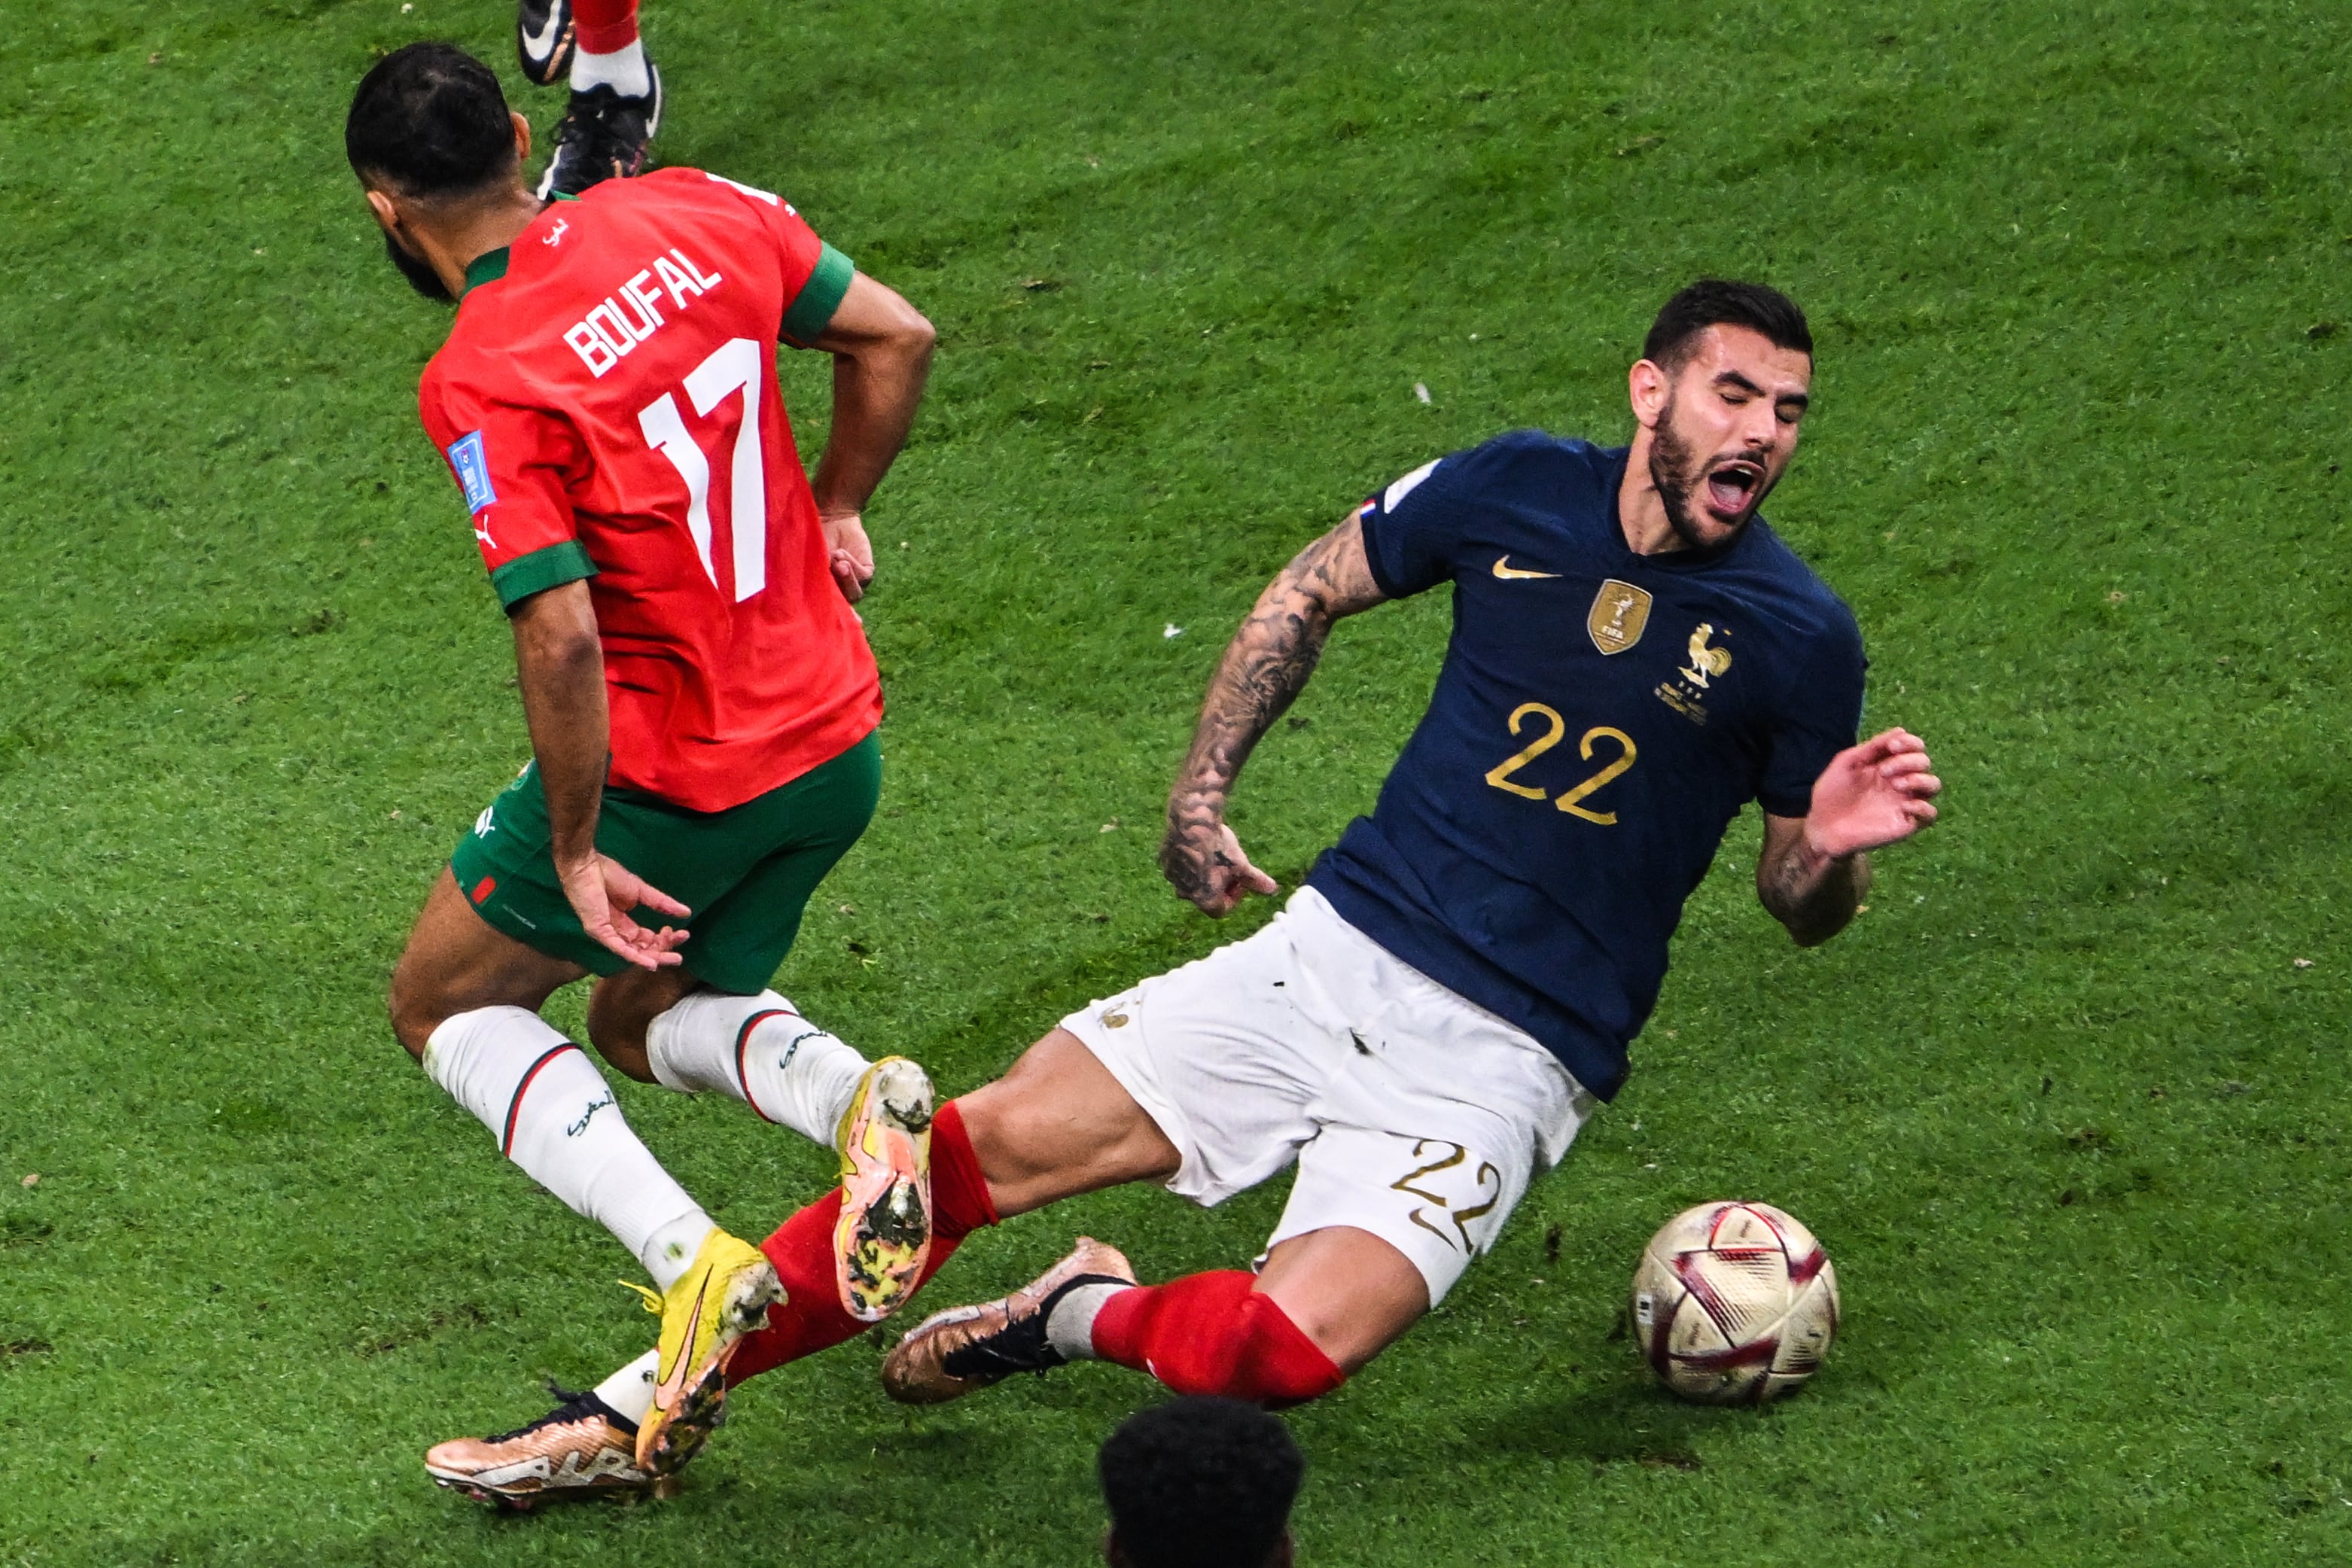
point(2067, 1106)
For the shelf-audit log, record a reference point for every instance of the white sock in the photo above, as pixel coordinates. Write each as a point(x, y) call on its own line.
point(629, 1393)
point(1071, 1329)
point(761, 1051)
point(623, 70)
point(554, 1115)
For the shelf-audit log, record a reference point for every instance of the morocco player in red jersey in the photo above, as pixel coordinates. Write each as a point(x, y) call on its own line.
point(700, 694)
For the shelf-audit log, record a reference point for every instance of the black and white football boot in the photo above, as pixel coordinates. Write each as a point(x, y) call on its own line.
point(603, 136)
point(544, 40)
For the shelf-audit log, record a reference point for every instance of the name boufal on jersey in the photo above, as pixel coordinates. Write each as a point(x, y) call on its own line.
point(607, 403)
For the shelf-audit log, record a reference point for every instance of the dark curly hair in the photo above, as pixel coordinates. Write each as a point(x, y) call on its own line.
point(1718, 302)
point(1200, 1483)
point(430, 122)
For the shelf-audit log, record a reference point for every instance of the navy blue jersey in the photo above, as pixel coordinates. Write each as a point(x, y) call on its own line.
point(1600, 719)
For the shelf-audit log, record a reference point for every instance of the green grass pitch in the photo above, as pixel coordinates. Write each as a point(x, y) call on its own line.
point(2068, 1105)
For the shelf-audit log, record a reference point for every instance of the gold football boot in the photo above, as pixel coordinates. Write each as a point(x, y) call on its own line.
point(576, 1450)
point(964, 1349)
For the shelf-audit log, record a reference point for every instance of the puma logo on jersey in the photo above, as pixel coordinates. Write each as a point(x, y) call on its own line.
point(1508, 573)
point(608, 334)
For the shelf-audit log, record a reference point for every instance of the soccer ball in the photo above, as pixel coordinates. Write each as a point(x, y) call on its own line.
point(1735, 1304)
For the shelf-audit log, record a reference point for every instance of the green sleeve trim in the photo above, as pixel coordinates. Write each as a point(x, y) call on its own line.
point(540, 571)
point(820, 296)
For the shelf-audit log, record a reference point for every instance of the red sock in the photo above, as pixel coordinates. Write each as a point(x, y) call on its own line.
point(1212, 1333)
point(811, 1318)
point(605, 27)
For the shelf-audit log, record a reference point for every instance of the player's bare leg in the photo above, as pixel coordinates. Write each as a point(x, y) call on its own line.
point(1059, 1125)
point(1349, 1291)
point(623, 1006)
point(464, 1002)
point(455, 962)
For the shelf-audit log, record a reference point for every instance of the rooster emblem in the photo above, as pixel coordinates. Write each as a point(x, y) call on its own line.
point(1706, 661)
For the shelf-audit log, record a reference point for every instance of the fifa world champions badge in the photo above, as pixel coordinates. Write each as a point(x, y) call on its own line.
point(1619, 614)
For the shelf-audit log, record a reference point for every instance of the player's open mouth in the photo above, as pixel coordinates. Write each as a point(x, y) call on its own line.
point(1730, 485)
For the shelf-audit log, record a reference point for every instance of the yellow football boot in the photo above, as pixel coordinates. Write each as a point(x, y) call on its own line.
point(724, 1294)
point(884, 1234)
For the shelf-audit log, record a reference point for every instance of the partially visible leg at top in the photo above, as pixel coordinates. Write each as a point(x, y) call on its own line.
point(611, 53)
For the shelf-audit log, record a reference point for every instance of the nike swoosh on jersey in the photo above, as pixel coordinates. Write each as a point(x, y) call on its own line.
point(1507, 572)
point(542, 44)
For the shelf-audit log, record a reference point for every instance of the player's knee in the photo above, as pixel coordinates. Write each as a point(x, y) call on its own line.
point(417, 1003)
point(621, 1010)
point(624, 1050)
point(412, 1018)
point(1263, 1357)
point(1351, 1333)
point(1280, 1364)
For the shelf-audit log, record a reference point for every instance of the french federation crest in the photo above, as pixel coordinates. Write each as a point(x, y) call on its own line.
point(1706, 661)
point(1620, 612)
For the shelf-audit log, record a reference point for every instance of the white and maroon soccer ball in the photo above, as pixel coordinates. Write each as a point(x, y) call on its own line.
point(1735, 1304)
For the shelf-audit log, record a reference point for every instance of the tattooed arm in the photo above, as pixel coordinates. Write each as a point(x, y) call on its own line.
point(1811, 893)
point(1815, 868)
point(1265, 665)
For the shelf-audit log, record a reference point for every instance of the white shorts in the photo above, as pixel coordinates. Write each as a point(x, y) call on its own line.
point(1412, 1113)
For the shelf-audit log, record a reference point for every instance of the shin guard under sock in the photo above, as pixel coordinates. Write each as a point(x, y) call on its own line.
point(758, 1050)
point(554, 1115)
point(1214, 1333)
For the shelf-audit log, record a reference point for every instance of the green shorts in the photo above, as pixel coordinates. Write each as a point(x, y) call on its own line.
point(746, 873)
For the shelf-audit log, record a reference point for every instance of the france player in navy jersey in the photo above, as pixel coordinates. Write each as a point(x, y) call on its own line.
point(1635, 655)
point(1601, 715)
point(1429, 1021)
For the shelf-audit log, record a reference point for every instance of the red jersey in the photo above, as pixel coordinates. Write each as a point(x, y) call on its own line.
point(608, 401)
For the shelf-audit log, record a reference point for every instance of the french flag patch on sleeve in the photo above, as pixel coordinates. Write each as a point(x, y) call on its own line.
point(473, 470)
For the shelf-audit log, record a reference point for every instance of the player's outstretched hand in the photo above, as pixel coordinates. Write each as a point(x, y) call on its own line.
point(1204, 860)
point(848, 552)
point(603, 892)
point(1872, 795)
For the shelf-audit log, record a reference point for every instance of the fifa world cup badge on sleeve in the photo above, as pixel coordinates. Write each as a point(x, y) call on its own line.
point(473, 471)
